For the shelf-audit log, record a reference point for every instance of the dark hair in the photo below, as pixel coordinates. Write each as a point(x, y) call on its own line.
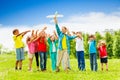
point(91, 36)
point(64, 27)
point(14, 31)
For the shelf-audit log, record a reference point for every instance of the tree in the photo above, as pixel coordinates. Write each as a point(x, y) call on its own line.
point(72, 48)
point(86, 45)
point(116, 44)
point(109, 42)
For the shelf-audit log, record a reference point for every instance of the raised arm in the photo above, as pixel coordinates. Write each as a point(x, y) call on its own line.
point(23, 33)
point(56, 37)
point(57, 27)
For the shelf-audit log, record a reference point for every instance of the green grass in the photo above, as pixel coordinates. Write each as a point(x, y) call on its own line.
point(7, 71)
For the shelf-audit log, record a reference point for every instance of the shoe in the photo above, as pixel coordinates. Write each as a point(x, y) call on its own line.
point(57, 70)
point(106, 69)
point(20, 68)
point(16, 68)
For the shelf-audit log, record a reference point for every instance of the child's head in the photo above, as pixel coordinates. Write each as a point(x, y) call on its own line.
point(103, 42)
point(92, 37)
point(15, 32)
point(28, 39)
point(52, 37)
point(43, 34)
point(64, 29)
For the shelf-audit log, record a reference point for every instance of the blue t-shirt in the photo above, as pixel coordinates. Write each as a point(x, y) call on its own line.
point(92, 47)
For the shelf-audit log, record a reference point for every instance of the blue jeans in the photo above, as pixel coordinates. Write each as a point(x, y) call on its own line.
point(43, 59)
point(81, 60)
point(93, 62)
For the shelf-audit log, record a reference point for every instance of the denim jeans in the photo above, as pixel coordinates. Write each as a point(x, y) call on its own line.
point(43, 59)
point(81, 60)
point(93, 62)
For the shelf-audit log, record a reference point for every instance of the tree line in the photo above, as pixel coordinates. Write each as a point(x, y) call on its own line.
point(112, 42)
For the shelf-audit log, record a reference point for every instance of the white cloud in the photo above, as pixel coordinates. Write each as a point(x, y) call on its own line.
point(89, 22)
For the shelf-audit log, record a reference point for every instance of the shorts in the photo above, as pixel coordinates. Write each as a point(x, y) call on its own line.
point(20, 54)
point(104, 60)
point(30, 55)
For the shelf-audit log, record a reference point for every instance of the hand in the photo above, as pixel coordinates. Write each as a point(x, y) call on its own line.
point(55, 19)
point(73, 32)
point(45, 28)
point(48, 35)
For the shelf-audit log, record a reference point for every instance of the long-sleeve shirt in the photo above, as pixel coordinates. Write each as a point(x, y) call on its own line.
point(92, 47)
point(52, 45)
point(61, 35)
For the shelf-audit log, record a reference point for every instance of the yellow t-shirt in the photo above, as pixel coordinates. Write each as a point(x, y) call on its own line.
point(64, 43)
point(18, 41)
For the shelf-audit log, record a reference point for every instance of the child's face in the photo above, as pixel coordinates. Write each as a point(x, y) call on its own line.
point(52, 38)
point(64, 29)
point(16, 32)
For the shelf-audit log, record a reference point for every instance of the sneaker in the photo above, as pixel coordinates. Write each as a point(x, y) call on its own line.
point(20, 68)
point(57, 70)
point(16, 68)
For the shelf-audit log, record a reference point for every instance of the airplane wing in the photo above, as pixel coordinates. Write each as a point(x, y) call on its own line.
point(52, 16)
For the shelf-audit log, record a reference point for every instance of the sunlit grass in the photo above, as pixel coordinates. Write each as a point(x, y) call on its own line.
point(7, 71)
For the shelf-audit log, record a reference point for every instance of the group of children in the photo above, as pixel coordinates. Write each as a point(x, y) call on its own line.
point(59, 49)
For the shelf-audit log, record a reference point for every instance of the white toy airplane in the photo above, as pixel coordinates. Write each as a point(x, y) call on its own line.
point(55, 15)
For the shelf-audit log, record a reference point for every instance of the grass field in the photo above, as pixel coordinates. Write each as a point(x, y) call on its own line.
point(7, 72)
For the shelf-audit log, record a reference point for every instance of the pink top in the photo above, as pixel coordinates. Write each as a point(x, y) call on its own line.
point(31, 47)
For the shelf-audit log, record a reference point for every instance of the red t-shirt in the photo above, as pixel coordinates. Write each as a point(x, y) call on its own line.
point(42, 47)
point(102, 51)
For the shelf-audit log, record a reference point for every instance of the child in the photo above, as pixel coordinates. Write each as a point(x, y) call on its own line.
point(19, 45)
point(36, 50)
point(31, 46)
point(103, 54)
point(80, 51)
point(42, 49)
point(63, 46)
point(92, 51)
point(52, 40)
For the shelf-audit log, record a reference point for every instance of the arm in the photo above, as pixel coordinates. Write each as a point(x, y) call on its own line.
point(56, 37)
point(23, 33)
point(71, 37)
point(57, 27)
point(68, 32)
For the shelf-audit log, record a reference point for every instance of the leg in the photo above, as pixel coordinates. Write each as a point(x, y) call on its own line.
point(106, 66)
point(20, 65)
point(17, 58)
point(102, 66)
point(53, 60)
point(41, 60)
point(59, 59)
point(78, 59)
point(91, 62)
point(45, 60)
point(65, 58)
point(37, 60)
point(16, 65)
point(82, 61)
point(30, 64)
point(94, 62)
point(21, 57)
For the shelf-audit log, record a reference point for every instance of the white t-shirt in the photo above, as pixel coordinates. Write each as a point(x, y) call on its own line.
point(79, 44)
point(54, 48)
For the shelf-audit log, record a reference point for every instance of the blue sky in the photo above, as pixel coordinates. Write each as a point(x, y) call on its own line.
point(87, 16)
point(30, 12)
